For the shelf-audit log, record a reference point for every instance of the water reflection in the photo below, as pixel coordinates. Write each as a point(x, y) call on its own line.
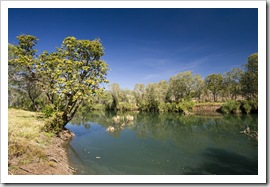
point(165, 125)
point(166, 143)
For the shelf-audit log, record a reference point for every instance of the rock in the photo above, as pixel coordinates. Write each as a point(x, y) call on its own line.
point(130, 118)
point(110, 129)
point(116, 119)
point(248, 130)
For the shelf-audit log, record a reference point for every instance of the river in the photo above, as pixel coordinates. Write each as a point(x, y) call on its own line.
point(163, 144)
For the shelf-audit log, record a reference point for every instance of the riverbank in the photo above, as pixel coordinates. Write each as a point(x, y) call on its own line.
point(212, 108)
point(32, 151)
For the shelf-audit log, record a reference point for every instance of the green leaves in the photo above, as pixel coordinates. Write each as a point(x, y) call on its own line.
point(249, 80)
point(67, 76)
point(73, 73)
point(214, 83)
point(184, 85)
point(22, 68)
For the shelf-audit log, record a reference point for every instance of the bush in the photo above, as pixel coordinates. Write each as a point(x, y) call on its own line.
point(162, 107)
point(54, 124)
point(48, 111)
point(246, 106)
point(172, 107)
point(231, 107)
point(249, 106)
point(254, 104)
point(185, 106)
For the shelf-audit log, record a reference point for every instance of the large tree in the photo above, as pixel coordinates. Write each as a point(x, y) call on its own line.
point(72, 74)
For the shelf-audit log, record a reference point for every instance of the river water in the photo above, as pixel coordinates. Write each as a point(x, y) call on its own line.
point(163, 144)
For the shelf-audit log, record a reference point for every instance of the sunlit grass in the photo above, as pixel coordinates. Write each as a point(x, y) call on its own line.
point(209, 104)
point(25, 138)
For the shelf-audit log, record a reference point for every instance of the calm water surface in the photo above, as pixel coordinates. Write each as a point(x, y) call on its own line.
point(169, 144)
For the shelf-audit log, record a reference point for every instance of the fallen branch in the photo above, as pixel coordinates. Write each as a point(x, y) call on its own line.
point(28, 171)
point(248, 132)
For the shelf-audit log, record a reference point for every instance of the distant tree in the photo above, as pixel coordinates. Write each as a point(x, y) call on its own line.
point(22, 68)
point(116, 93)
point(197, 87)
point(183, 86)
point(249, 80)
point(140, 96)
point(152, 97)
point(213, 83)
point(231, 82)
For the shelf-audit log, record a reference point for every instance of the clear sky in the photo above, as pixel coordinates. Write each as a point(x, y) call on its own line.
point(148, 45)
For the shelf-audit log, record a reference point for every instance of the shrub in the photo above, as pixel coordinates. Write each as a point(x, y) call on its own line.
point(48, 111)
point(185, 106)
point(172, 107)
point(254, 104)
point(162, 107)
point(231, 107)
point(54, 124)
point(249, 106)
point(246, 106)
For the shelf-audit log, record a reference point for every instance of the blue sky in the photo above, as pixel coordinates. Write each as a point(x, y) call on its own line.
point(148, 45)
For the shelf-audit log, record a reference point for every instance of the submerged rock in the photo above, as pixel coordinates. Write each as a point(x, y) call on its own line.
point(110, 129)
point(116, 119)
point(252, 134)
point(130, 118)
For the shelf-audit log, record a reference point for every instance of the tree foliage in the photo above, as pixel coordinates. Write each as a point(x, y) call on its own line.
point(72, 74)
point(231, 82)
point(213, 83)
point(22, 68)
point(249, 80)
point(66, 77)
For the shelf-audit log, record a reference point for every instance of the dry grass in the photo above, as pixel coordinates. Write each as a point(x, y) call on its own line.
point(209, 104)
point(32, 151)
point(25, 139)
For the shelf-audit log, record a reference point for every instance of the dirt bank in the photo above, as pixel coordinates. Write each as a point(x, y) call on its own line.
point(207, 108)
point(54, 163)
point(33, 152)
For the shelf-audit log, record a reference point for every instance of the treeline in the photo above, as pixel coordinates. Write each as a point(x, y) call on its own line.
point(67, 80)
point(238, 88)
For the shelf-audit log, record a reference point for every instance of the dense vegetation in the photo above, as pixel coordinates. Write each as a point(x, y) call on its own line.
point(67, 80)
point(237, 89)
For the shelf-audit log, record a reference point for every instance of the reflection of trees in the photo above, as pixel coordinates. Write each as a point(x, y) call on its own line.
point(192, 129)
